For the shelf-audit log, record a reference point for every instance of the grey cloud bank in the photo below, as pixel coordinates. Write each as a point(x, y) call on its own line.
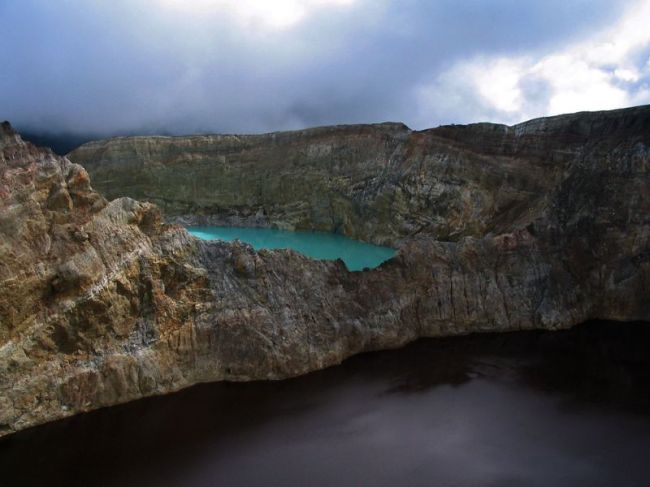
point(143, 67)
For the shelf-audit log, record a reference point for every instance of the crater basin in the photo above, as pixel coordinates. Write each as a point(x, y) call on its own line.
point(357, 255)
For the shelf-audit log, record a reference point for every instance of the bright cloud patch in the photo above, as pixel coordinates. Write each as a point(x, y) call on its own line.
point(277, 14)
point(182, 66)
point(609, 70)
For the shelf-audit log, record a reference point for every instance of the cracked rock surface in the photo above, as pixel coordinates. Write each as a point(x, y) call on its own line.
point(541, 225)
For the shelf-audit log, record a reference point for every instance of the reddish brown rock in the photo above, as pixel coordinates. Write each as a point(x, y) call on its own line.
point(541, 225)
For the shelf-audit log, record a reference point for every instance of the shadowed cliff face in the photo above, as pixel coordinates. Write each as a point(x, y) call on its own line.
point(541, 225)
point(382, 183)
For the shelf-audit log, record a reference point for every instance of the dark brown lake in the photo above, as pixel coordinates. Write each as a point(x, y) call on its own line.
point(541, 409)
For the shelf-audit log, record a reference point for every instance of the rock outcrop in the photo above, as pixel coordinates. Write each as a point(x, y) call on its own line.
point(382, 183)
point(540, 225)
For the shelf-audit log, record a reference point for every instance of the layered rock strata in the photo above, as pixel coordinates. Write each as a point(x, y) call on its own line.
point(540, 225)
point(382, 183)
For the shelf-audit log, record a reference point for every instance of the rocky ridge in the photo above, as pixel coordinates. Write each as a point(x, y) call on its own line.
point(540, 225)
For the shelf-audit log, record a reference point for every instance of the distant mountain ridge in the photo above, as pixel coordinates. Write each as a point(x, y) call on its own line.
point(61, 144)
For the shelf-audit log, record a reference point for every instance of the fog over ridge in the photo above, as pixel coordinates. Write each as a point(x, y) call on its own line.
point(159, 66)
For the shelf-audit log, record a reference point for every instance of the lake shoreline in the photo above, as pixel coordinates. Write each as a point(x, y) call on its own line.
point(563, 389)
point(356, 254)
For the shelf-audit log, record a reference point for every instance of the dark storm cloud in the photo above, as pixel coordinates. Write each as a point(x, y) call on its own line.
point(118, 67)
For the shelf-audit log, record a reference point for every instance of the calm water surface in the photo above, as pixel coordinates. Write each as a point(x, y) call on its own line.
point(356, 254)
point(540, 409)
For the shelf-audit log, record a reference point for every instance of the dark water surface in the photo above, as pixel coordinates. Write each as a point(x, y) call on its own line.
point(542, 409)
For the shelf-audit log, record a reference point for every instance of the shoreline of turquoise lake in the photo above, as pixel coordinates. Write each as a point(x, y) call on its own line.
point(356, 254)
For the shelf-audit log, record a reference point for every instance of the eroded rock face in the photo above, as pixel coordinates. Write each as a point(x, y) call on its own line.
point(382, 183)
point(541, 225)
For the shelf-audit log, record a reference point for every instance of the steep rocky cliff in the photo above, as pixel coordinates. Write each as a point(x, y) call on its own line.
point(383, 183)
point(541, 225)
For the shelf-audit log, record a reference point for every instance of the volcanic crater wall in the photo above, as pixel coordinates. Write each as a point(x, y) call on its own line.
point(540, 225)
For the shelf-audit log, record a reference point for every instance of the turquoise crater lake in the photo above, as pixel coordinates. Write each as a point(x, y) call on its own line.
point(328, 246)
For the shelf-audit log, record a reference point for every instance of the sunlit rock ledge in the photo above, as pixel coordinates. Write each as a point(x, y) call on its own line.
point(541, 225)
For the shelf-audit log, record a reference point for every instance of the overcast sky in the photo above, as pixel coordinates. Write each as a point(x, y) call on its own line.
point(182, 66)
